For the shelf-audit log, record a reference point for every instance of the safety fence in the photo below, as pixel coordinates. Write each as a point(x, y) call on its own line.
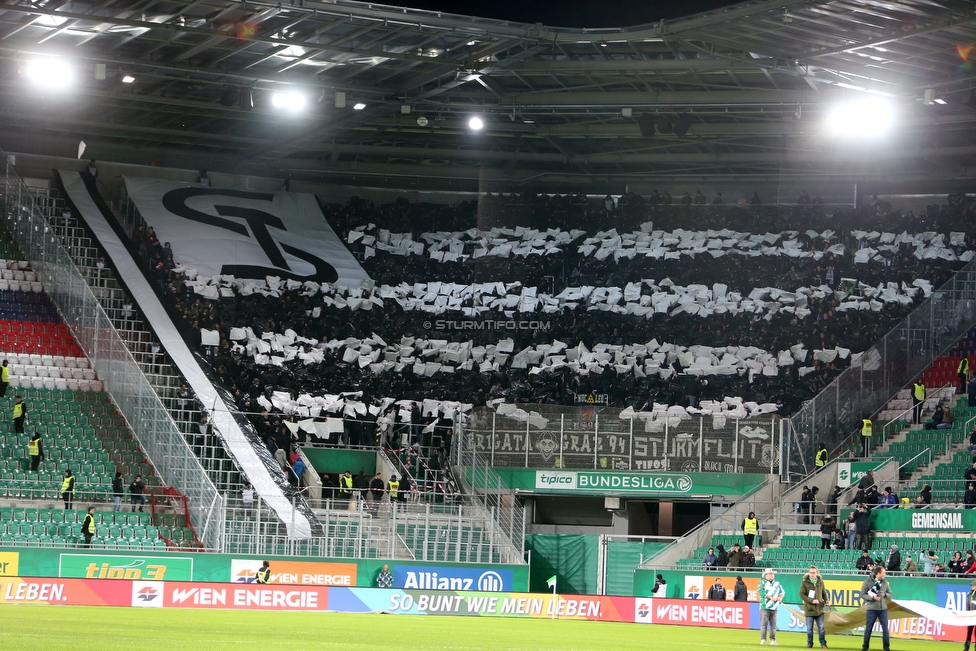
point(121, 376)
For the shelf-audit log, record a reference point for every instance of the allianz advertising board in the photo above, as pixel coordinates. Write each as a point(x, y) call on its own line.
point(439, 577)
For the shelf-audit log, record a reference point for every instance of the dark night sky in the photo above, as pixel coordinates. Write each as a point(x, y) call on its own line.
point(571, 13)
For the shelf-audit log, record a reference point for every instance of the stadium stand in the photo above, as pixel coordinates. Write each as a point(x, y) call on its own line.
point(79, 427)
point(278, 309)
point(183, 406)
point(730, 339)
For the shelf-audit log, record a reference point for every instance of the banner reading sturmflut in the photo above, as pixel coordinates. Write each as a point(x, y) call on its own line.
point(244, 233)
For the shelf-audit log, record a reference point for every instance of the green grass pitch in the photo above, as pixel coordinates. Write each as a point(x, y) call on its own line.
point(57, 628)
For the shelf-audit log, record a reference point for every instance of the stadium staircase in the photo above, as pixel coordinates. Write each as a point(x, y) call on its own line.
point(163, 377)
point(80, 428)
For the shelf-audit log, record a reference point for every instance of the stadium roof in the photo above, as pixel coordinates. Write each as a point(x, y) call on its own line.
point(739, 91)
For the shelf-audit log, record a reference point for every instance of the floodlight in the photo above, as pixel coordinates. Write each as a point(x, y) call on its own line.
point(128, 79)
point(48, 20)
point(289, 101)
point(476, 123)
point(865, 118)
point(358, 106)
point(49, 73)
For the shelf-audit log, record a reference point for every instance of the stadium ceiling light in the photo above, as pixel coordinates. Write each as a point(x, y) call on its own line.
point(49, 73)
point(358, 106)
point(128, 79)
point(863, 118)
point(48, 20)
point(939, 101)
point(288, 101)
point(476, 123)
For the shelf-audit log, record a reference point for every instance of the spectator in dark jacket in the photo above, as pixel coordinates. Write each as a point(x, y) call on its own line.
point(863, 527)
point(894, 560)
point(748, 558)
point(925, 496)
point(806, 505)
point(969, 563)
point(955, 565)
point(834, 502)
point(970, 473)
point(740, 592)
point(969, 497)
point(866, 481)
point(864, 562)
point(826, 531)
point(871, 496)
point(723, 557)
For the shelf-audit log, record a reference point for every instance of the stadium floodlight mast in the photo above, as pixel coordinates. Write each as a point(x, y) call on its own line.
point(48, 73)
point(866, 118)
point(475, 123)
point(291, 101)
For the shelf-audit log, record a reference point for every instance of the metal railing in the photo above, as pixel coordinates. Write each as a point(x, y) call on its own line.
point(485, 486)
point(937, 396)
point(600, 438)
point(121, 376)
point(360, 528)
point(888, 366)
point(157, 368)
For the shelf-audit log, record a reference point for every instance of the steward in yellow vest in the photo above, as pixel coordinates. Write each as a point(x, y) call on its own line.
point(88, 526)
point(264, 574)
point(4, 378)
point(867, 431)
point(35, 450)
point(821, 459)
point(68, 490)
point(918, 398)
point(345, 485)
point(20, 414)
point(750, 527)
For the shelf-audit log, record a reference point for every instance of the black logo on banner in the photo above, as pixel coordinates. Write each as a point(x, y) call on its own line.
point(259, 222)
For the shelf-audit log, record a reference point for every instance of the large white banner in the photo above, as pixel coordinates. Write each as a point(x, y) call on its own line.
point(222, 415)
point(244, 233)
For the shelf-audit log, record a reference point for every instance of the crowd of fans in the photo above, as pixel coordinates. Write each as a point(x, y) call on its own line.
point(823, 327)
point(855, 532)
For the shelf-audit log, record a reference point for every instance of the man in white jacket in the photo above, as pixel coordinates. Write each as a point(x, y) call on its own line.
point(771, 595)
